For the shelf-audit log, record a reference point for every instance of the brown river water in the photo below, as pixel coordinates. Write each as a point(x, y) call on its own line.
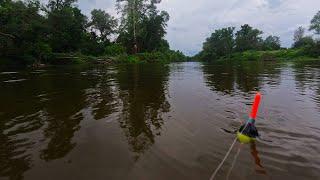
point(153, 121)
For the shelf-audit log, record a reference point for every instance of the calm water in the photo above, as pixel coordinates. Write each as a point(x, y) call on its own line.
point(159, 122)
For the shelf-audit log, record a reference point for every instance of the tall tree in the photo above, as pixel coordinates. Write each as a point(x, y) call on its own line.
point(104, 23)
point(221, 43)
point(272, 43)
point(59, 4)
point(315, 23)
point(248, 38)
point(132, 12)
point(67, 25)
point(298, 34)
point(154, 28)
point(142, 26)
point(23, 29)
point(300, 40)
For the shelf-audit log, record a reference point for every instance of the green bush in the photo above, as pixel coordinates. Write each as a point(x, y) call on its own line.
point(133, 59)
point(115, 50)
point(283, 54)
point(252, 55)
point(312, 50)
point(247, 55)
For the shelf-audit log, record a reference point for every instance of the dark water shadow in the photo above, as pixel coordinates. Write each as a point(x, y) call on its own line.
point(142, 90)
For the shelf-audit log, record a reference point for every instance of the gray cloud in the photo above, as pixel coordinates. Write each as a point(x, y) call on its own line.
point(192, 21)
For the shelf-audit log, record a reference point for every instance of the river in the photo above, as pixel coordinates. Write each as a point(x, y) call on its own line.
point(155, 121)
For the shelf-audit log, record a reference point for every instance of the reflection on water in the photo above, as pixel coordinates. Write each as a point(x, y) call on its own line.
point(36, 116)
point(255, 154)
point(142, 90)
point(232, 78)
point(307, 79)
point(158, 121)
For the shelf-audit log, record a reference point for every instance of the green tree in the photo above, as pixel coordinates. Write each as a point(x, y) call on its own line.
point(298, 34)
point(59, 4)
point(132, 13)
point(303, 42)
point(315, 24)
point(248, 38)
point(104, 23)
point(154, 29)
point(300, 40)
point(92, 45)
point(272, 43)
point(312, 49)
point(220, 43)
point(67, 25)
point(142, 27)
point(23, 30)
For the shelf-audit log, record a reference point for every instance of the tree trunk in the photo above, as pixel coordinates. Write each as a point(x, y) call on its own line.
point(135, 46)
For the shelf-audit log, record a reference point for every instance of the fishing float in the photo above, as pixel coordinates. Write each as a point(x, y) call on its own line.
point(246, 134)
point(248, 131)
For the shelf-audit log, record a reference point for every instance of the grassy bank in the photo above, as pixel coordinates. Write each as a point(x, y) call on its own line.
point(276, 55)
point(78, 58)
point(152, 57)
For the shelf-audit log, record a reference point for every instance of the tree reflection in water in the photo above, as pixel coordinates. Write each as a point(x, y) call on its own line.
point(307, 79)
point(143, 95)
point(230, 78)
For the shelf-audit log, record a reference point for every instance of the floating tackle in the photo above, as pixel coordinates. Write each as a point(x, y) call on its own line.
point(248, 131)
point(246, 134)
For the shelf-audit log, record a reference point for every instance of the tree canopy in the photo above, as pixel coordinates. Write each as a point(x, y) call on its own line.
point(104, 23)
point(298, 34)
point(220, 43)
point(248, 38)
point(315, 24)
point(271, 43)
point(23, 29)
point(35, 30)
point(224, 42)
point(142, 27)
point(32, 32)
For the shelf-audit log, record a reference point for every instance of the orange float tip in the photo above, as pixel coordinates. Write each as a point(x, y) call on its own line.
point(255, 106)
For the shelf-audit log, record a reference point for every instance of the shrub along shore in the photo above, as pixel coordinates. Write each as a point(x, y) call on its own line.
point(78, 58)
point(275, 55)
point(152, 57)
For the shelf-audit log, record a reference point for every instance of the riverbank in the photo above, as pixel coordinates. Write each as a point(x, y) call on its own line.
point(78, 58)
point(276, 55)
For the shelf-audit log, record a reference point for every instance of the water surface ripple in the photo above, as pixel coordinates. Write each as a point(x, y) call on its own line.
point(153, 121)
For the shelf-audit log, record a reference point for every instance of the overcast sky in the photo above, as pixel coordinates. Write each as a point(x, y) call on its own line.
point(191, 21)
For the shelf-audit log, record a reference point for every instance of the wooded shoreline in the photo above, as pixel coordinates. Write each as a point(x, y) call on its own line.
point(37, 34)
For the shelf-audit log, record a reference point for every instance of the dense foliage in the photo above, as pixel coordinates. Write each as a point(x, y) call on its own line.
point(219, 44)
point(142, 27)
point(225, 42)
point(23, 31)
point(247, 44)
point(310, 45)
point(31, 32)
point(315, 23)
point(248, 38)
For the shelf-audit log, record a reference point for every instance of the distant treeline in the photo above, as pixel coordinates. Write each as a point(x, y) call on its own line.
point(247, 43)
point(31, 32)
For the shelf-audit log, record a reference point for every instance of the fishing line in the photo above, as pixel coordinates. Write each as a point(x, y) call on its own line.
point(234, 142)
point(226, 156)
point(234, 162)
point(223, 160)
